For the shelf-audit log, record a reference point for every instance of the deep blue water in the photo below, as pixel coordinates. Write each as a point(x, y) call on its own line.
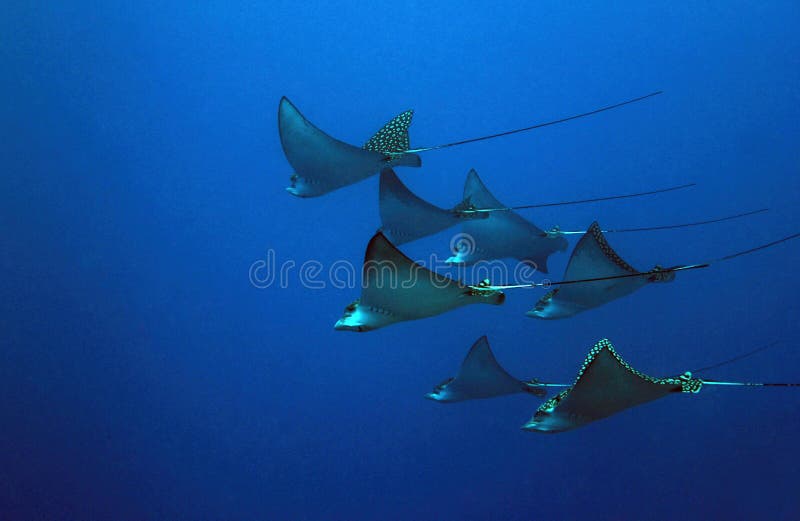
point(143, 377)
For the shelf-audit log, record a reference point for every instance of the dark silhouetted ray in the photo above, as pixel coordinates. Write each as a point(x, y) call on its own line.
point(396, 289)
point(607, 385)
point(597, 266)
point(406, 217)
point(596, 275)
point(322, 164)
point(502, 234)
point(481, 376)
point(594, 258)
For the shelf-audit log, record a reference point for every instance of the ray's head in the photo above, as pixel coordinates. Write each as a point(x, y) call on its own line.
point(353, 319)
point(360, 318)
point(550, 308)
point(441, 393)
point(545, 421)
point(299, 187)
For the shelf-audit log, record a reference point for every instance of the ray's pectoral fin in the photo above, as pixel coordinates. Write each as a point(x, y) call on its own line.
point(537, 261)
point(480, 376)
point(501, 233)
point(405, 216)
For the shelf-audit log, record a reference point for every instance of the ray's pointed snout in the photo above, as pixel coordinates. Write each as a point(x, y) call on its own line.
point(345, 325)
point(542, 422)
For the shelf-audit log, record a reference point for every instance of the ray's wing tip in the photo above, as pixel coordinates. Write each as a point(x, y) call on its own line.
point(537, 264)
point(284, 104)
point(287, 115)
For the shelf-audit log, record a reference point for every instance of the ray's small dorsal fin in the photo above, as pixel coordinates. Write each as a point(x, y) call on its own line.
point(393, 137)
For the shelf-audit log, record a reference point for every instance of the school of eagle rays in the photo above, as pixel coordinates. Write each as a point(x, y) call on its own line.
point(396, 289)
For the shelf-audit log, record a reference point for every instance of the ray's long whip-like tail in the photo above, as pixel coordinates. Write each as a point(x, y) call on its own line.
point(556, 231)
point(577, 201)
point(673, 269)
point(736, 359)
point(532, 127)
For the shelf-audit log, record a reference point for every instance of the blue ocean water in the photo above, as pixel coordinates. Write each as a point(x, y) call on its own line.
point(143, 376)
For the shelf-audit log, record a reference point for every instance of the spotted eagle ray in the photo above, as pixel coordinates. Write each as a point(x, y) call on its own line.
point(481, 376)
point(593, 257)
point(503, 234)
point(406, 217)
point(604, 276)
point(322, 163)
point(607, 385)
point(396, 289)
point(491, 230)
